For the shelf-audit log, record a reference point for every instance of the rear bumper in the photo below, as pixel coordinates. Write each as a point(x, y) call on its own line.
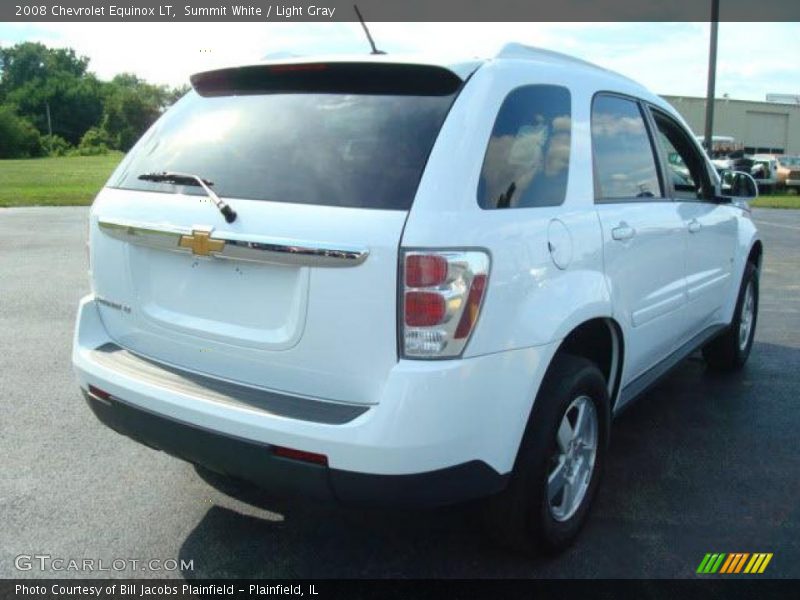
point(256, 463)
point(440, 432)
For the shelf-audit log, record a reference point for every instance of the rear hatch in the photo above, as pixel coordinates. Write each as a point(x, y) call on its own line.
point(321, 163)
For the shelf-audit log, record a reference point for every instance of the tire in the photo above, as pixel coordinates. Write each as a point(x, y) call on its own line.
point(523, 517)
point(730, 350)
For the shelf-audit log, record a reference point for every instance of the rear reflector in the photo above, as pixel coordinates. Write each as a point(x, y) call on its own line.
point(301, 455)
point(470, 314)
point(98, 393)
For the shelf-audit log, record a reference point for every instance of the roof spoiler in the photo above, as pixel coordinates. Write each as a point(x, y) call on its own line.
point(374, 78)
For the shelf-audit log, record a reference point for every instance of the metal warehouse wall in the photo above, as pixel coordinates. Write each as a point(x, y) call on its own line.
point(758, 125)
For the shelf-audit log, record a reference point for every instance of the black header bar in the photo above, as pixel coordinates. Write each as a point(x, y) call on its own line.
point(395, 10)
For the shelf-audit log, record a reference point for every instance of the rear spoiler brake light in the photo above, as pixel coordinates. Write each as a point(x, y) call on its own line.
point(393, 79)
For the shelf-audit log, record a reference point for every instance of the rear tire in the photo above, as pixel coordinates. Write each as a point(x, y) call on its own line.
point(559, 463)
point(730, 350)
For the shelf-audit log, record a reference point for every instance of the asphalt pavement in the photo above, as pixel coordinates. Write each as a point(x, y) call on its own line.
point(703, 463)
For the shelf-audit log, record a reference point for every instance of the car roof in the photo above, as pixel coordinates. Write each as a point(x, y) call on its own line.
point(571, 68)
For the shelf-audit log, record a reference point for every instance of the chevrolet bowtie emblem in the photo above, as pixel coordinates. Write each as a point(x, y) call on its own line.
point(201, 243)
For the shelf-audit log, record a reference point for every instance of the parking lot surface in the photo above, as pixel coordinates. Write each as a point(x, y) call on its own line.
point(703, 463)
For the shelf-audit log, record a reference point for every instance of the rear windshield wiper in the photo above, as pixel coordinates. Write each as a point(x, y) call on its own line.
point(191, 179)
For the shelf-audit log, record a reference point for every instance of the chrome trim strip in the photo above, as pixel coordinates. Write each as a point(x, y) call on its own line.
point(253, 248)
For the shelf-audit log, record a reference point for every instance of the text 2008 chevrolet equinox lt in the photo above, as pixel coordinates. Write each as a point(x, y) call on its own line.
point(411, 282)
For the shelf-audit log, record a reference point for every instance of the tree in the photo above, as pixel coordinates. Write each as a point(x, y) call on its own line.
point(36, 80)
point(131, 106)
point(30, 61)
point(35, 77)
point(18, 138)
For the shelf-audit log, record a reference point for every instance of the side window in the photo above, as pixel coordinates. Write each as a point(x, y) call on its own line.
point(625, 165)
point(686, 168)
point(527, 159)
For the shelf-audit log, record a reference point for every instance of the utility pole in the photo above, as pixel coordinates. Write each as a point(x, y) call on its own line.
point(712, 76)
point(49, 124)
point(49, 128)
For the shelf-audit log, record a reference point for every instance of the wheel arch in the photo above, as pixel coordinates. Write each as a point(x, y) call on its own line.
point(756, 254)
point(601, 341)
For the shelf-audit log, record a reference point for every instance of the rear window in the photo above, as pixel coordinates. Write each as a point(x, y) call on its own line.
point(332, 147)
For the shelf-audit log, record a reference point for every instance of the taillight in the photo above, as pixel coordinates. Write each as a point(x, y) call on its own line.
point(441, 297)
point(425, 270)
point(424, 309)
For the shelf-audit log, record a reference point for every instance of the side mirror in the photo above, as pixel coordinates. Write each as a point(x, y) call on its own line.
point(736, 185)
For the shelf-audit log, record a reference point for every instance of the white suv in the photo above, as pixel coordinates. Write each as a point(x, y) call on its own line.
point(411, 282)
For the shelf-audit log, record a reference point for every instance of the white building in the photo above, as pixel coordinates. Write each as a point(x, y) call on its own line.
point(768, 127)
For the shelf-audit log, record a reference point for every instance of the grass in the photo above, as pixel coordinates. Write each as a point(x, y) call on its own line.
point(65, 181)
point(782, 199)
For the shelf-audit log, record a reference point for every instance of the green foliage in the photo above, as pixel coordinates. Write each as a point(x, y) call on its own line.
point(53, 145)
point(131, 106)
point(28, 62)
point(35, 79)
point(94, 142)
point(18, 138)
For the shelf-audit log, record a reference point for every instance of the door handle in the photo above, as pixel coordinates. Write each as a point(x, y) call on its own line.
point(694, 226)
point(623, 232)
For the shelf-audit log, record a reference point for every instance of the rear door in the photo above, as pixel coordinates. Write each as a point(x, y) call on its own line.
point(321, 164)
point(643, 242)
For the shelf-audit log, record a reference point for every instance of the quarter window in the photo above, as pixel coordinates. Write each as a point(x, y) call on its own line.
point(527, 159)
point(625, 166)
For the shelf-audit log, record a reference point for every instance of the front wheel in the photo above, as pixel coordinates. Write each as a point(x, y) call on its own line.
point(559, 462)
point(730, 350)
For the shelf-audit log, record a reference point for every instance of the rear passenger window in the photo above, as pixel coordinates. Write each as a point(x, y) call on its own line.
point(527, 160)
point(625, 165)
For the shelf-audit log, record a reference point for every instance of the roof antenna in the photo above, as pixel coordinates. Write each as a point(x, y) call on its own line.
point(369, 37)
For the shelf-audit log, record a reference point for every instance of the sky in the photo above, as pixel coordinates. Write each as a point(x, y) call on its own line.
point(669, 58)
